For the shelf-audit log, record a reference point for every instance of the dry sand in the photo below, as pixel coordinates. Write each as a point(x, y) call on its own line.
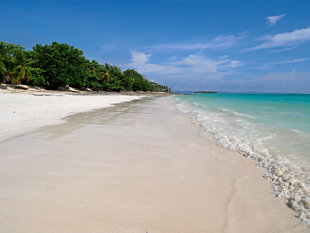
point(20, 112)
point(137, 167)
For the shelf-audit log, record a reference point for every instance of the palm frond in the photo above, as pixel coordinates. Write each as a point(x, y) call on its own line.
point(3, 69)
point(28, 74)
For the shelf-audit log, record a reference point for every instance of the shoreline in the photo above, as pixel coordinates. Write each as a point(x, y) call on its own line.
point(288, 183)
point(27, 111)
point(10, 88)
point(135, 167)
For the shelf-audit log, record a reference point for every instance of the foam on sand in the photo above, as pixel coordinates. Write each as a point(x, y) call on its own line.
point(136, 167)
point(287, 175)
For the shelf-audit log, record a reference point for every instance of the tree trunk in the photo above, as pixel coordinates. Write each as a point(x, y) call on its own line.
point(6, 79)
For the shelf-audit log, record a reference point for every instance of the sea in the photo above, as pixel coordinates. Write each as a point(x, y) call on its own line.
point(273, 129)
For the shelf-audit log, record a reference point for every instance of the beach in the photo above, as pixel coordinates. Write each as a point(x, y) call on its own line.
point(29, 110)
point(105, 164)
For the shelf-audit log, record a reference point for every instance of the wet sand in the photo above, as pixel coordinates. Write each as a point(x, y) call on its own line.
point(21, 112)
point(135, 167)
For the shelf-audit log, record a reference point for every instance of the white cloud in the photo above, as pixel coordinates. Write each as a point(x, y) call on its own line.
point(235, 64)
point(270, 65)
point(289, 61)
point(159, 69)
point(140, 62)
point(139, 58)
point(192, 63)
point(201, 64)
point(272, 20)
point(220, 41)
point(285, 39)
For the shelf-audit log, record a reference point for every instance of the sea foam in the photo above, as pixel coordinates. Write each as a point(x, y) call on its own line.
point(289, 179)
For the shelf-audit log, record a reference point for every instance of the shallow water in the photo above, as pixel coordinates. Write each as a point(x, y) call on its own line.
point(273, 129)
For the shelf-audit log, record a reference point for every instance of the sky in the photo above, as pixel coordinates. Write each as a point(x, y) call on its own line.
point(221, 45)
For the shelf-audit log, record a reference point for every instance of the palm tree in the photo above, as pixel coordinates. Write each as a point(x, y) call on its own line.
point(6, 68)
point(22, 72)
point(6, 62)
point(106, 76)
point(2, 60)
point(132, 81)
point(2, 67)
point(13, 63)
point(22, 69)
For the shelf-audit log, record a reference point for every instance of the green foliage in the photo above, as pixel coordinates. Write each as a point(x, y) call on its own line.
point(37, 78)
point(112, 77)
point(137, 82)
point(93, 77)
point(21, 70)
point(59, 65)
point(159, 88)
point(10, 56)
point(95, 86)
point(62, 64)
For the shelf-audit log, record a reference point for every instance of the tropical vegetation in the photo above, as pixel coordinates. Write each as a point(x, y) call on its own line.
point(61, 65)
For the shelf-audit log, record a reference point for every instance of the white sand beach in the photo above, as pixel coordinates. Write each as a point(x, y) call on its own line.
point(136, 167)
point(26, 111)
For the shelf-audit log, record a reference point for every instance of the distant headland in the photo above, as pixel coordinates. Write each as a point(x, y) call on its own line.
point(205, 92)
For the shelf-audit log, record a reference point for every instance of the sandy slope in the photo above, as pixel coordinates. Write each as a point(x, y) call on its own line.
point(21, 112)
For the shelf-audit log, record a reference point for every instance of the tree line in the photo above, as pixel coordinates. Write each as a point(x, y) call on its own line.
point(60, 65)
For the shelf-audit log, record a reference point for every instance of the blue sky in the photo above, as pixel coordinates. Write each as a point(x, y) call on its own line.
point(228, 45)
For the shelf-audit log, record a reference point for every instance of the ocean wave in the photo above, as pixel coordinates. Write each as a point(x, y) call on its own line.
point(287, 177)
point(237, 113)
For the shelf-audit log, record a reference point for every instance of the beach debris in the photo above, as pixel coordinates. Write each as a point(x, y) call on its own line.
point(73, 89)
point(67, 88)
point(22, 87)
point(3, 86)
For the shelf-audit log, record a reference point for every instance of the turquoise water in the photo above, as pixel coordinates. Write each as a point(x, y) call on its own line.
point(273, 129)
point(289, 111)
